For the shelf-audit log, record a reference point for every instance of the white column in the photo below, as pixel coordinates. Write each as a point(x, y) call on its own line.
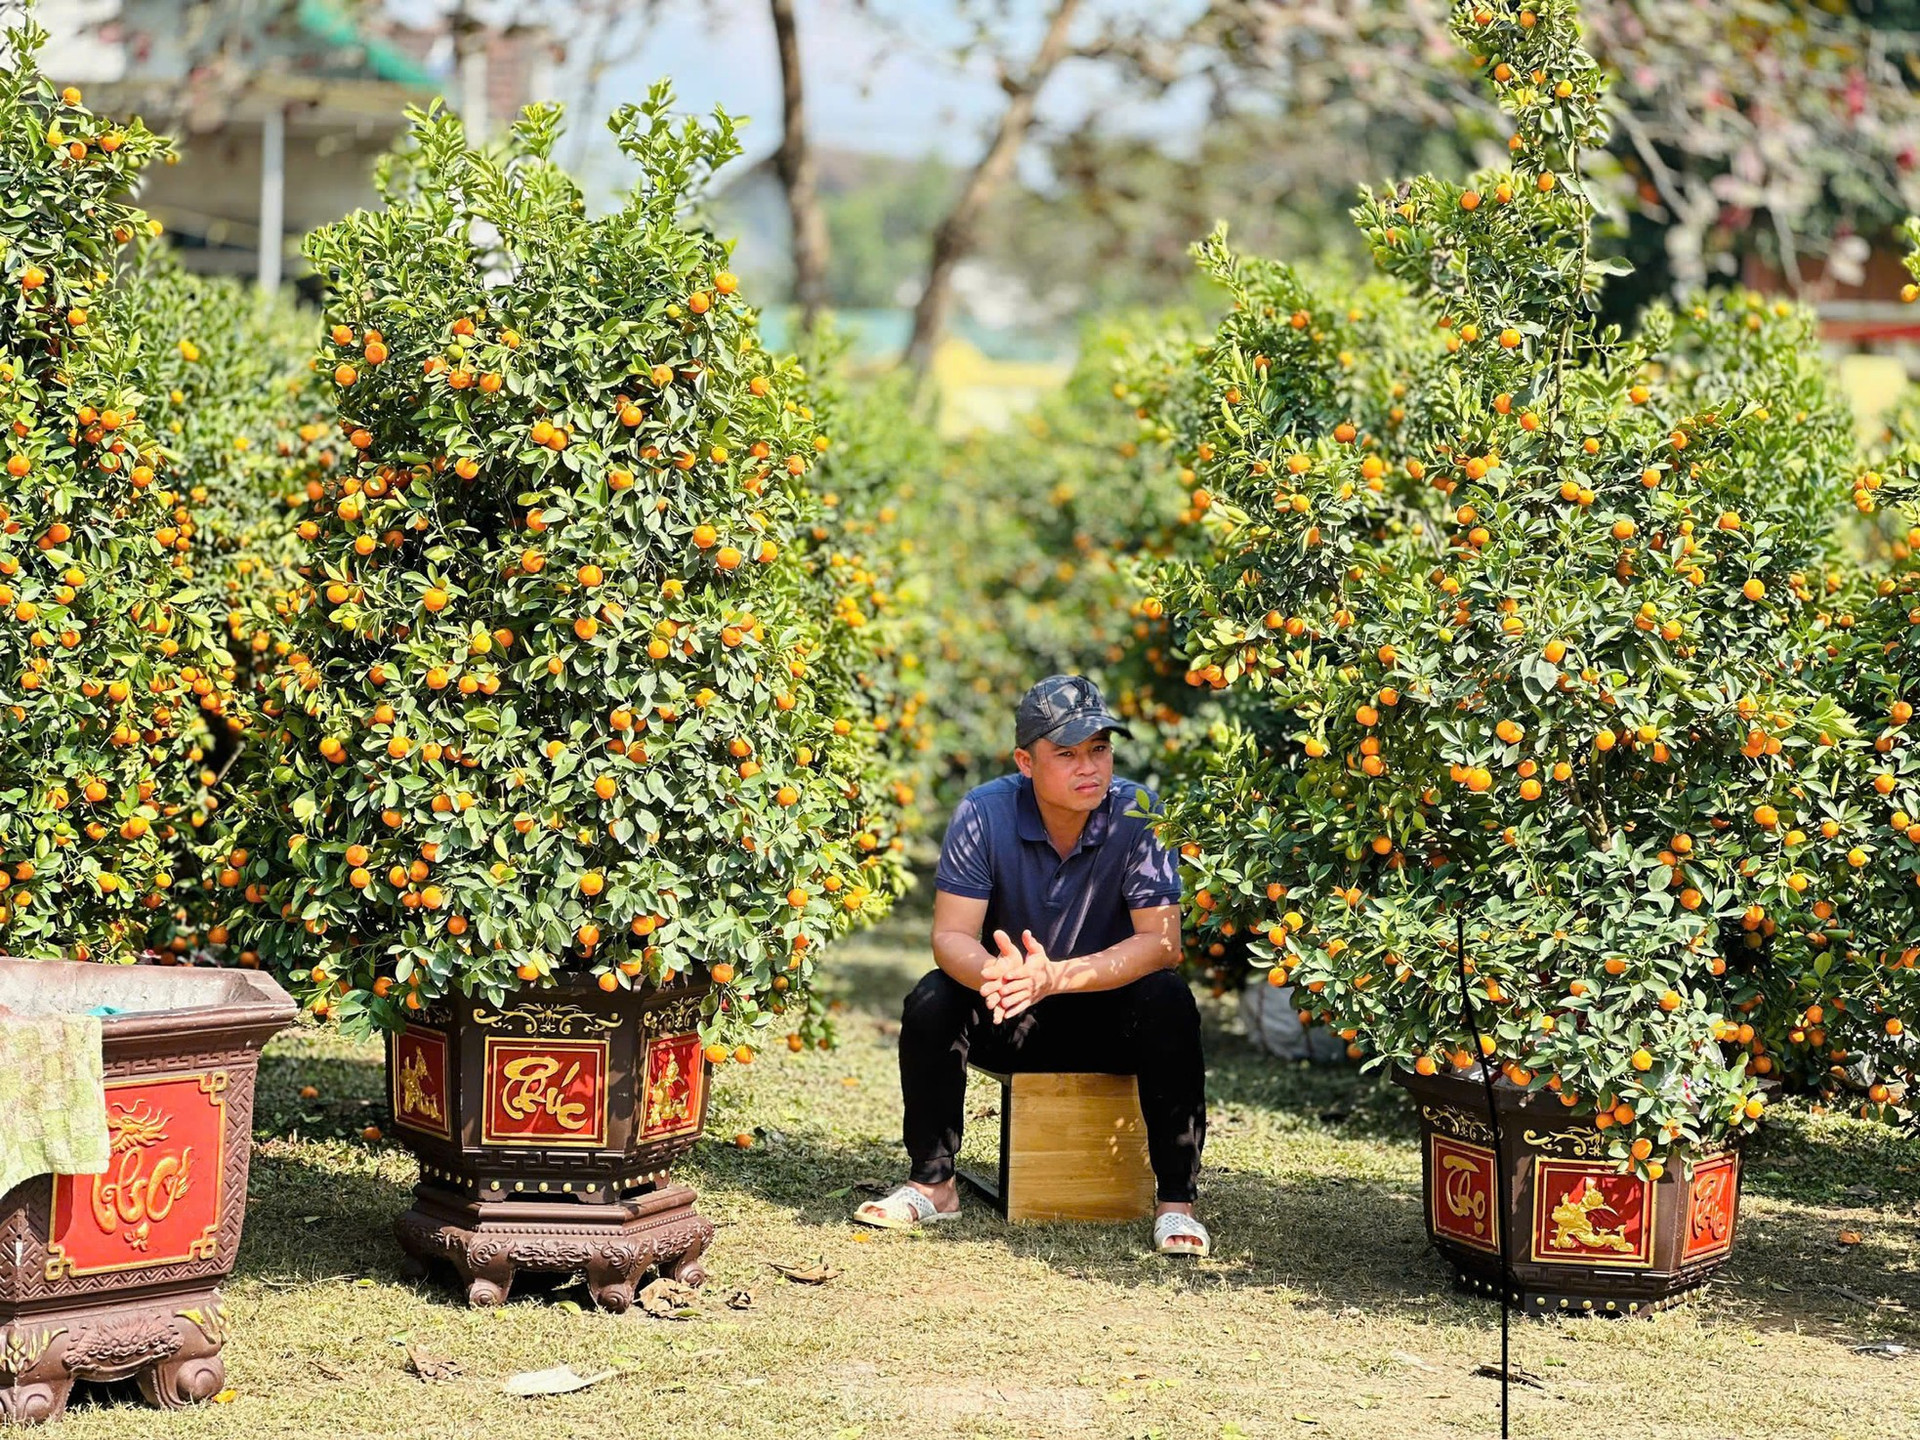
point(273, 195)
point(473, 84)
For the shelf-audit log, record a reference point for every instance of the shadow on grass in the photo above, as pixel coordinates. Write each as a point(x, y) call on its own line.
point(1808, 1178)
point(1334, 1244)
point(322, 1203)
point(1331, 1240)
point(1340, 1241)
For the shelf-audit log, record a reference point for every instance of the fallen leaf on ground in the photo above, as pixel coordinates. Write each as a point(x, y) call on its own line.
point(1514, 1374)
point(1883, 1349)
point(818, 1273)
point(329, 1370)
point(1849, 1237)
point(870, 1187)
point(740, 1300)
point(287, 1285)
point(560, 1380)
point(429, 1366)
point(227, 1396)
point(666, 1299)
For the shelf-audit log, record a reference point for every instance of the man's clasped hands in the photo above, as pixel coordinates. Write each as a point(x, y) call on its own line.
point(1012, 982)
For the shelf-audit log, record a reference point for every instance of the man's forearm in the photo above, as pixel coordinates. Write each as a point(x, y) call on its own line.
point(962, 956)
point(1117, 965)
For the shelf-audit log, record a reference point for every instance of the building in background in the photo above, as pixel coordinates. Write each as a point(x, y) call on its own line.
point(1870, 334)
point(279, 107)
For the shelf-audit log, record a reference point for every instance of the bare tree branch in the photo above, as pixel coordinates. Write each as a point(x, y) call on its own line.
point(955, 236)
point(795, 163)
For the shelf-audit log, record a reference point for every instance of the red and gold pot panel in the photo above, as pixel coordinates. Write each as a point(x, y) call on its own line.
point(546, 1092)
point(159, 1201)
point(420, 1089)
point(1464, 1196)
point(1591, 1214)
point(1713, 1191)
point(676, 1086)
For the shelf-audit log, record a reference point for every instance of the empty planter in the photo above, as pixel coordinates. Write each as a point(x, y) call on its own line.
point(106, 1276)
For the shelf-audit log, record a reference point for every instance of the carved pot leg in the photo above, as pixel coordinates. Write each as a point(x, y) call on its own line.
point(182, 1380)
point(487, 1271)
point(610, 1276)
point(29, 1402)
point(686, 1267)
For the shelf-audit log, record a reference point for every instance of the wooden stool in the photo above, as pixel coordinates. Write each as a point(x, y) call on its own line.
point(1073, 1146)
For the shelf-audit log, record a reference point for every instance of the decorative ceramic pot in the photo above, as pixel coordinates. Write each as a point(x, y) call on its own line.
point(106, 1276)
point(545, 1129)
point(1583, 1236)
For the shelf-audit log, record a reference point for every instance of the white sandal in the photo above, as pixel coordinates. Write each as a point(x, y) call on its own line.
point(1174, 1225)
point(905, 1208)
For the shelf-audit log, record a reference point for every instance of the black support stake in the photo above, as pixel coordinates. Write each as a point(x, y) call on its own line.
point(1500, 1227)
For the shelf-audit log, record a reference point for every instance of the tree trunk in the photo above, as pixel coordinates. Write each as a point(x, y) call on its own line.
point(954, 239)
point(794, 161)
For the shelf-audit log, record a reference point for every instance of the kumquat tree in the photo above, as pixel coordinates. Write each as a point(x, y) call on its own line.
point(1346, 353)
point(561, 697)
point(238, 403)
point(866, 568)
point(113, 678)
point(1848, 1023)
point(1538, 657)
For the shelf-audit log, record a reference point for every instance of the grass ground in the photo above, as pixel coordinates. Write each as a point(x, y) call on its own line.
point(1322, 1311)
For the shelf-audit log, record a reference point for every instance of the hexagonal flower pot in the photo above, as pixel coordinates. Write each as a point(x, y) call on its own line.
point(545, 1128)
point(1584, 1236)
point(106, 1276)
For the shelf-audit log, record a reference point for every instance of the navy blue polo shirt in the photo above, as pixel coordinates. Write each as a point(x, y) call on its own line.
point(997, 850)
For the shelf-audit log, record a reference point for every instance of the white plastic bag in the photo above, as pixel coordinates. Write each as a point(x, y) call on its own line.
point(1272, 1022)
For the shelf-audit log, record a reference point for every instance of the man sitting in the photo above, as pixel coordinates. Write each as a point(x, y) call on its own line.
point(1051, 855)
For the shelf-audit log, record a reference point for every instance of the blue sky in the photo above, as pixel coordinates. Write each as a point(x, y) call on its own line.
point(880, 78)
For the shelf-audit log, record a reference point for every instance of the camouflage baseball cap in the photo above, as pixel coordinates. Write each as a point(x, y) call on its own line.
point(1065, 709)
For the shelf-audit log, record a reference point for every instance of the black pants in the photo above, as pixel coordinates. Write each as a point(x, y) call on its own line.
point(1150, 1029)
